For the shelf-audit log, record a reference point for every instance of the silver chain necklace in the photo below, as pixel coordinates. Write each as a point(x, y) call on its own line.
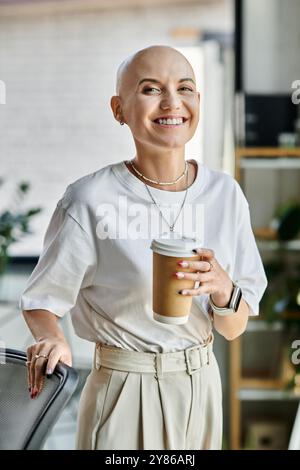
point(171, 227)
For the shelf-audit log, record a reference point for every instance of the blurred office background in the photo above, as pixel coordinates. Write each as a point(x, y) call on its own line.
point(57, 63)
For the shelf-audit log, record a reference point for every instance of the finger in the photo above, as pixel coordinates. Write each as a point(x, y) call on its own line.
point(65, 359)
point(32, 376)
point(54, 358)
point(28, 378)
point(205, 253)
point(28, 365)
point(39, 374)
point(41, 382)
point(32, 371)
point(203, 289)
point(197, 265)
point(199, 276)
point(38, 362)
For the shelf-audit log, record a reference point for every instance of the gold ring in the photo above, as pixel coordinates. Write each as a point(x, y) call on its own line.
point(41, 355)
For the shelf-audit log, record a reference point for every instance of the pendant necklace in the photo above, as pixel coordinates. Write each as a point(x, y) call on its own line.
point(172, 226)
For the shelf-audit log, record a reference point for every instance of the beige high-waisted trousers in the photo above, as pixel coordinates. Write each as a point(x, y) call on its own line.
point(135, 401)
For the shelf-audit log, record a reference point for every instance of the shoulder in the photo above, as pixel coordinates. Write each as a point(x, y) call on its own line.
point(82, 197)
point(224, 190)
point(89, 185)
point(87, 189)
point(219, 180)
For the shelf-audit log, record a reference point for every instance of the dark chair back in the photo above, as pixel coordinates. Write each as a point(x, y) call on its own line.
point(24, 422)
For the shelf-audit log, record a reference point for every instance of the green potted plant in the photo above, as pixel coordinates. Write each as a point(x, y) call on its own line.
point(281, 301)
point(282, 298)
point(14, 223)
point(286, 220)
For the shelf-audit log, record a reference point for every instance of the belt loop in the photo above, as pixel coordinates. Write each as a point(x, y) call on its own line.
point(205, 357)
point(209, 352)
point(158, 366)
point(96, 360)
point(208, 349)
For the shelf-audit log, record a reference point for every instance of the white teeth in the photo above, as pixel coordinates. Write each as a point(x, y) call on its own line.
point(173, 122)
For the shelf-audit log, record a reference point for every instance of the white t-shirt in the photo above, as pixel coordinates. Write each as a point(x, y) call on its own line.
point(97, 262)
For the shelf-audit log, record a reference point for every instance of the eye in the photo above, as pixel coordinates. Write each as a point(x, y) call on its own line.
point(151, 90)
point(186, 88)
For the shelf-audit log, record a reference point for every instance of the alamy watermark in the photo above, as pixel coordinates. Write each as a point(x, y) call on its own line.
point(131, 221)
point(2, 92)
point(296, 92)
point(295, 358)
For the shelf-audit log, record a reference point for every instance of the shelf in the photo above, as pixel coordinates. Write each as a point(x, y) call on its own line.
point(261, 325)
point(266, 158)
point(256, 394)
point(270, 163)
point(267, 152)
point(265, 233)
point(248, 384)
point(266, 238)
point(260, 384)
point(275, 245)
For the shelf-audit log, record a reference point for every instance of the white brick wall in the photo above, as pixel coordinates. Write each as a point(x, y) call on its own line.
point(59, 73)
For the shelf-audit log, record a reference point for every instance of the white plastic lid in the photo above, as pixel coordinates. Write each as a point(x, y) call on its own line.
point(175, 246)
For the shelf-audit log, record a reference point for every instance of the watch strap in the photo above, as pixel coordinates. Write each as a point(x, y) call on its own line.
point(233, 303)
point(236, 297)
point(223, 311)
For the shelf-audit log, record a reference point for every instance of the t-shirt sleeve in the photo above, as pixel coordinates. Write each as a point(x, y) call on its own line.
point(65, 266)
point(248, 270)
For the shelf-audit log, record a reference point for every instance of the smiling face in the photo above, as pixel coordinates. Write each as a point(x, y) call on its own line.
point(157, 98)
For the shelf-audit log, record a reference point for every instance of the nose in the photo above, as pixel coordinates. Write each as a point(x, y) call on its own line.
point(170, 101)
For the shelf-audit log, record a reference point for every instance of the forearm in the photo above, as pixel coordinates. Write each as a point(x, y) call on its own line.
point(50, 348)
point(43, 324)
point(232, 326)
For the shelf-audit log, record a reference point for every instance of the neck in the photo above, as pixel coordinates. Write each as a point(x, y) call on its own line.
point(161, 166)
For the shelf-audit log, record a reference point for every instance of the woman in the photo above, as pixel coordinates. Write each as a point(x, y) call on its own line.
point(97, 263)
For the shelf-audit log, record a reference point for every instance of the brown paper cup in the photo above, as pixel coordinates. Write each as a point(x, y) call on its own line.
point(168, 305)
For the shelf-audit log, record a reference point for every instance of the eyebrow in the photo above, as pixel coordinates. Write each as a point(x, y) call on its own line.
point(154, 80)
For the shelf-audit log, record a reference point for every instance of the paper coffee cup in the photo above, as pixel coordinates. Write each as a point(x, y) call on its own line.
point(168, 305)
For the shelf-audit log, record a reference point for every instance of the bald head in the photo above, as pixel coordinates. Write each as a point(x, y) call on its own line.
point(145, 61)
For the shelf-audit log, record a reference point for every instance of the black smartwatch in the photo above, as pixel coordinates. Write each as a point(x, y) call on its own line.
point(233, 305)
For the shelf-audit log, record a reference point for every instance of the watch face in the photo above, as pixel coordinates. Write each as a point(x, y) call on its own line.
point(236, 298)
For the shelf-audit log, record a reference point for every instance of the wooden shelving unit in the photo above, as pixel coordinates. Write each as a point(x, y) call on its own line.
point(274, 156)
point(257, 388)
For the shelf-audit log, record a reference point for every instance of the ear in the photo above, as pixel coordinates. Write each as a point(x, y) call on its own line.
point(198, 94)
point(115, 104)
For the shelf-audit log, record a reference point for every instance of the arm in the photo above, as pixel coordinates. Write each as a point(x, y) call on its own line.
point(216, 282)
point(234, 325)
point(229, 326)
point(50, 342)
point(42, 324)
point(67, 263)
